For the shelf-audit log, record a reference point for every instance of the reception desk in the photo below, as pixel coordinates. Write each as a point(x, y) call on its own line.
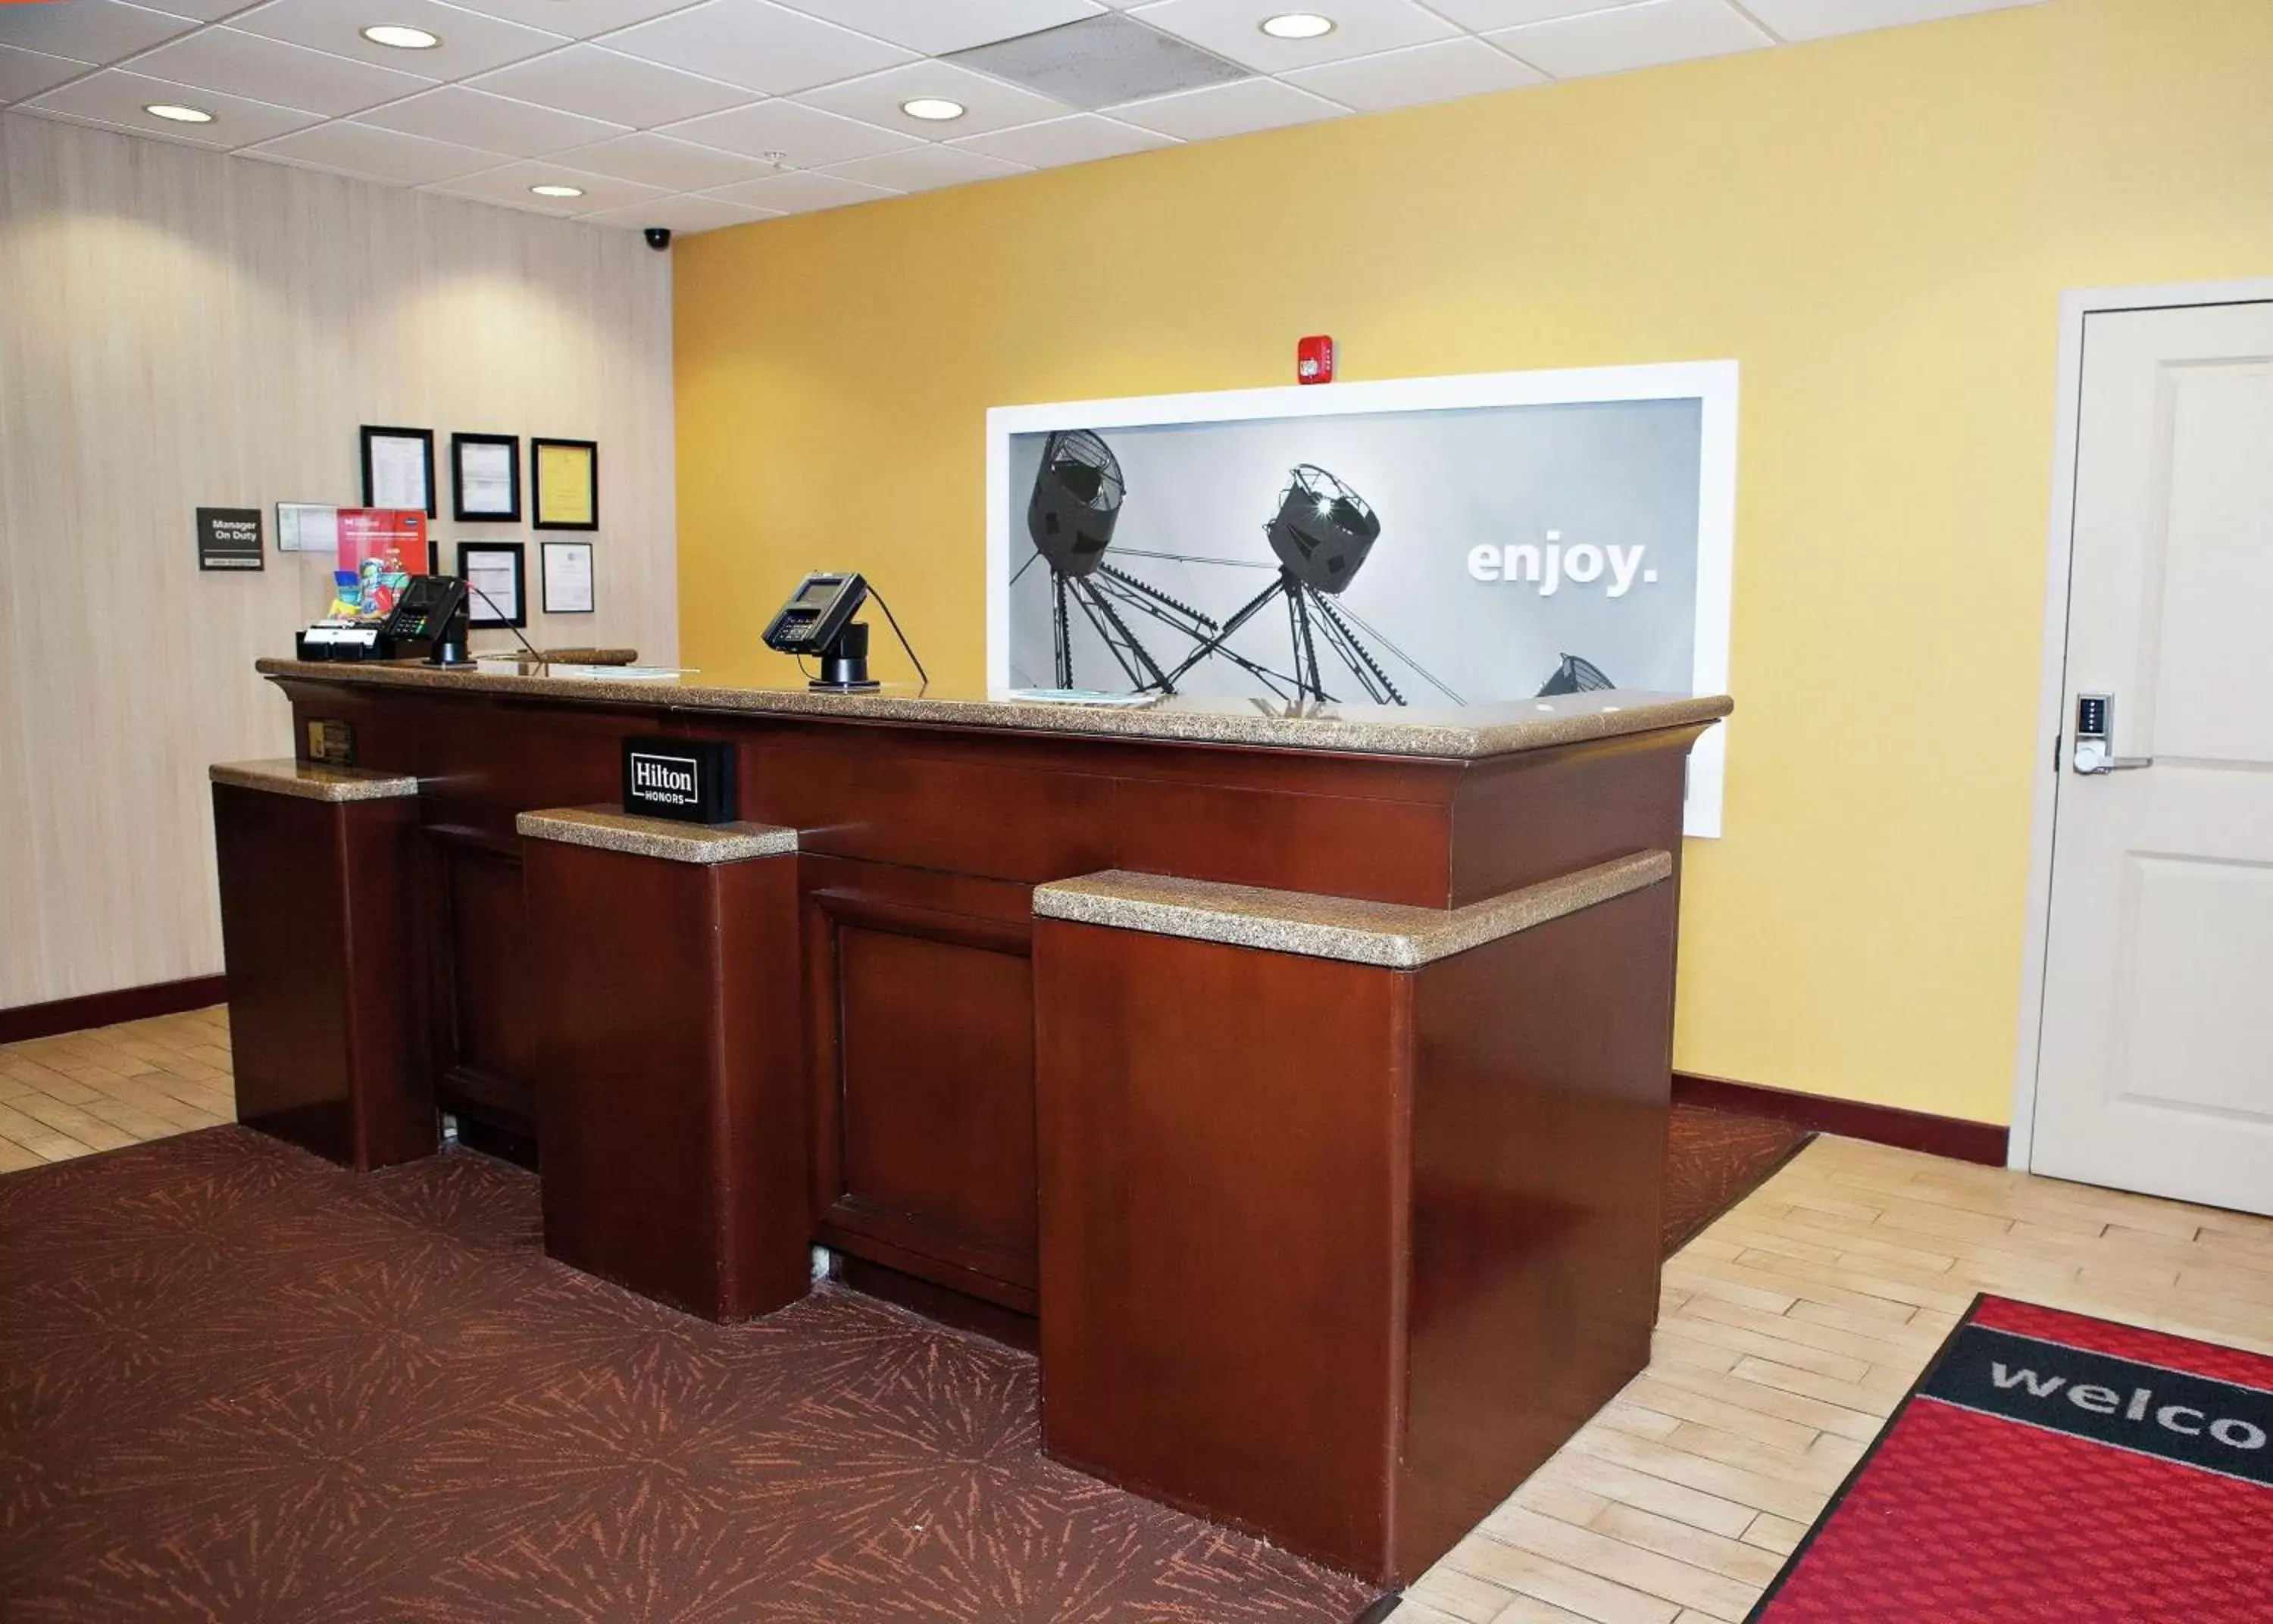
point(1293, 1079)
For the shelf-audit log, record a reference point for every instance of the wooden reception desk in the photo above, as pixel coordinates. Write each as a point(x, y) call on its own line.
point(1296, 1081)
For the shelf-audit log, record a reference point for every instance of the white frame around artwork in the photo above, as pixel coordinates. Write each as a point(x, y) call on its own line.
point(1713, 384)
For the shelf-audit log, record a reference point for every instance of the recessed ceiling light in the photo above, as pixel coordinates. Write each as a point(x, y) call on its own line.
point(402, 36)
point(936, 109)
point(180, 115)
point(557, 192)
point(1297, 26)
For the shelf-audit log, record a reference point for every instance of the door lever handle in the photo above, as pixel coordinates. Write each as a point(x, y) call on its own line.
point(2093, 760)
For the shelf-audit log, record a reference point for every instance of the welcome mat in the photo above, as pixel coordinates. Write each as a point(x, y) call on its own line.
point(2053, 1466)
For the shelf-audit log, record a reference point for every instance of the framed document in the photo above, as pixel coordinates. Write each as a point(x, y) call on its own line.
point(398, 469)
point(567, 571)
point(494, 573)
point(563, 481)
point(485, 478)
point(307, 527)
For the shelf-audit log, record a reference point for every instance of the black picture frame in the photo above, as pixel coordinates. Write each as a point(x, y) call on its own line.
point(479, 610)
point(373, 432)
point(544, 550)
point(538, 516)
point(459, 511)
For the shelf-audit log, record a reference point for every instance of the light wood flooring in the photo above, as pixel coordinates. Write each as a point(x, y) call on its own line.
point(1790, 1329)
point(113, 1086)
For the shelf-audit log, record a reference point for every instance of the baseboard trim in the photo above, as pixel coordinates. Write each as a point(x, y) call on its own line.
point(76, 1014)
point(1883, 1124)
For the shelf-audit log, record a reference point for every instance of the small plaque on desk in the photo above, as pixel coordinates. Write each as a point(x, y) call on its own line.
point(689, 779)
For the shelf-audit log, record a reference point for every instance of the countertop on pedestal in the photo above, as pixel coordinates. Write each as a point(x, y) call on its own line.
point(1469, 732)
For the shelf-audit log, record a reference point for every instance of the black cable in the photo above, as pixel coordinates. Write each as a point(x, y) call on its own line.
point(504, 618)
point(902, 636)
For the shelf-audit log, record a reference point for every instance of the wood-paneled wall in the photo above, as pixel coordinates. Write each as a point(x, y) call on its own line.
point(180, 329)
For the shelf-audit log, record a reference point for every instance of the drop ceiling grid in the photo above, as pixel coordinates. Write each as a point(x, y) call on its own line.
point(705, 92)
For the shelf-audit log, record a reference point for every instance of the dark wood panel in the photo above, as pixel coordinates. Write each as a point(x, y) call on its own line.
point(919, 1010)
point(1384, 851)
point(1523, 819)
point(1223, 1231)
point(486, 1022)
point(322, 977)
point(671, 1101)
point(1539, 1130)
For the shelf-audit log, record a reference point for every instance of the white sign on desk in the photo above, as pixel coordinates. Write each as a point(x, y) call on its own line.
point(1433, 542)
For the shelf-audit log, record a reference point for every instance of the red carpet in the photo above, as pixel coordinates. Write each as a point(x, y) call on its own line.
point(2052, 1467)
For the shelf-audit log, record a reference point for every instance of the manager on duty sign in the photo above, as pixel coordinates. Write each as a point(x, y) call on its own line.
point(228, 538)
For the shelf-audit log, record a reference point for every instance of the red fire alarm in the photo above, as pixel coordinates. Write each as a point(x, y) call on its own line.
point(1314, 359)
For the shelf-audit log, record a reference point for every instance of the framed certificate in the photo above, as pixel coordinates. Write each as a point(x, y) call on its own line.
point(564, 483)
point(567, 572)
point(398, 470)
point(485, 478)
point(495, 577)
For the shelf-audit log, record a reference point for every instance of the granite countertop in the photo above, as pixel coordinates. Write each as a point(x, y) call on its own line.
point(312, 781)
point(1393, 935)
point(1469, 732)
point(609, 829)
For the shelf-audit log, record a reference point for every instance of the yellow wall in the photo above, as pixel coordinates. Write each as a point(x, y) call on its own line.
point(1878, 228)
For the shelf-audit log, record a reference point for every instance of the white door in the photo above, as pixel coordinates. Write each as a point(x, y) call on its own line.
point(2156, 1066)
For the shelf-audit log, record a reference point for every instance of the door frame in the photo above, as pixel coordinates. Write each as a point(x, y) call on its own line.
point(2075, 306)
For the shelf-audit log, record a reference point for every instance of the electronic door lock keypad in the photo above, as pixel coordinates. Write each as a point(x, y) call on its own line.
point(2095, 738)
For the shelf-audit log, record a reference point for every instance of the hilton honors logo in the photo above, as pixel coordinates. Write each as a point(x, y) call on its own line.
point(689, 780)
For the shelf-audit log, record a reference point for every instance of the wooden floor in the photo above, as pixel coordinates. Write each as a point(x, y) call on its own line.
point(114, 1086)
point(1790, 1329)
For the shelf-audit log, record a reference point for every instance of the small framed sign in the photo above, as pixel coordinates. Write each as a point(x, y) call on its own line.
point(398, 470)
point(564, 484)
point(228, 538)
point(495, 573)
point(689, 780)
point(567, 567)
point(485, 478)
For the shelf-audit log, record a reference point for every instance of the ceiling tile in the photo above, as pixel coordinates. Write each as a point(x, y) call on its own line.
point(801, 194)
point(87, 30)
point(202, 11)
point(1647, 35)
point(603, 84)
point(1102, 61)
point(579, 19)
point(248, 64)
point(471, 43)
point(1227, 109)
point(759, 45)
point(376, 154)
point(684, 215)
point(806, 137)
point(27, 74)
point(474, 118)
point(989, 104)
point(659, 161)
point(935, 29)
point(510, 186)
point(1234, 29)
point(116, 98)
point(925, 168)
point(1082, 138)
point(1485, 15)
point(1437, 72)
point(1817, 19)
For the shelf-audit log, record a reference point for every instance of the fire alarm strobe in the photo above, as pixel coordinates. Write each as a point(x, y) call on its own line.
point(1314, 359)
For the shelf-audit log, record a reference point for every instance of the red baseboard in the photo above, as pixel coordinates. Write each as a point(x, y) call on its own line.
point(1885, 1125)
point(76, 1014)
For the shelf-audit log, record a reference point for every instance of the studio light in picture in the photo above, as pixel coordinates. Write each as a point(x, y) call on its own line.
point(554, 190)
point(178, 113)
point(932, 109)
point(1297, 26)
point(402, 37)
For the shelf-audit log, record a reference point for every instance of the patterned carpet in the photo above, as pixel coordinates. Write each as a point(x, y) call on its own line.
point(1714, 1159)
point(238, 1385)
